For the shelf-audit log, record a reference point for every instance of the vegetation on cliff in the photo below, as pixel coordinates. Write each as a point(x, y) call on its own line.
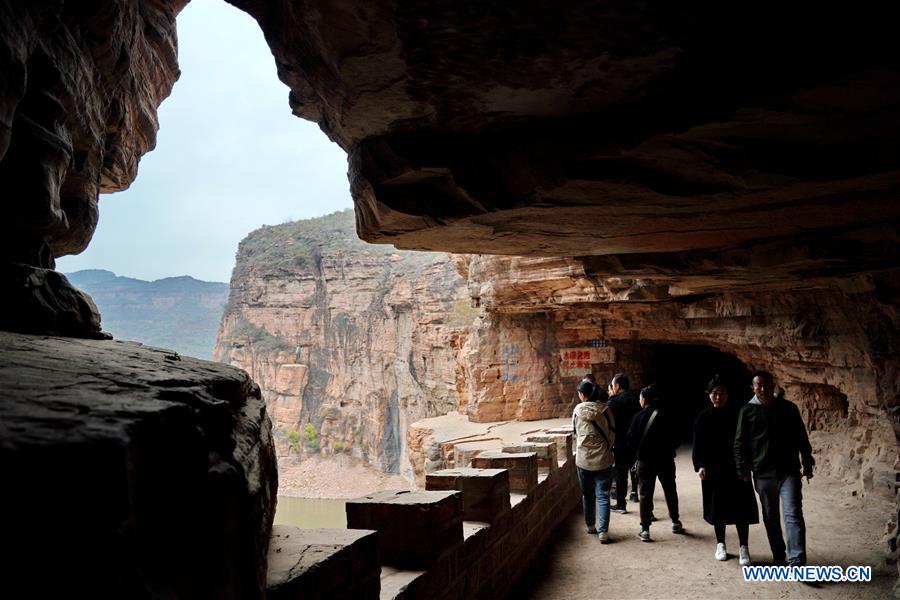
point(298, 246)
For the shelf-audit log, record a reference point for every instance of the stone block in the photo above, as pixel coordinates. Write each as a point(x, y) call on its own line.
point(563, 443)
point(485, 492)
point(546, 453)
point(522, 468)
point(322, 563)
point(464, 452)
point(414, 528)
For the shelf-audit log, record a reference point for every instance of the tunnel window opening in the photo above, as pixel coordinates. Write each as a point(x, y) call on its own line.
point(683, 371)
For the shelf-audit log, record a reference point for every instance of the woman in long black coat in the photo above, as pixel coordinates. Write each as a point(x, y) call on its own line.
point(727, 499)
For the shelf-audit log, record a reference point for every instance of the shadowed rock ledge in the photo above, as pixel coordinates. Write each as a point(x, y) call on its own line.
point(131, 472)
point(582, 128)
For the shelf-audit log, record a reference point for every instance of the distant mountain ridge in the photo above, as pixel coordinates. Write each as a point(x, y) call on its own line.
point(180, 313)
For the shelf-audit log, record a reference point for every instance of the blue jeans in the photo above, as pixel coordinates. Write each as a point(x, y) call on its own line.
point(786, 491)
point(595, 497)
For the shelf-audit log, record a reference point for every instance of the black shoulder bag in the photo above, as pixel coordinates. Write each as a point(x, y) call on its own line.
point(636, 465)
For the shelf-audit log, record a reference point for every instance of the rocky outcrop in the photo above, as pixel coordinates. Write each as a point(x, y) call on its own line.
point(349, 342)
point(78, 99)
point(578, 128)
point(143, 473)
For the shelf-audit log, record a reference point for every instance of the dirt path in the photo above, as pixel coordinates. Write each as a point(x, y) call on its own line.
point(841, 530)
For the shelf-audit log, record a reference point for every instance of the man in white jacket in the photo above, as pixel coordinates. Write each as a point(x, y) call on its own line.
point(595, 435)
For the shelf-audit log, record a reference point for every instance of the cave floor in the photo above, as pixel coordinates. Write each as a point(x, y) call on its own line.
point(841, 530)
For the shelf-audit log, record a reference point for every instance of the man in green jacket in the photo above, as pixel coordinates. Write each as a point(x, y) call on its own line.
point(769, 438)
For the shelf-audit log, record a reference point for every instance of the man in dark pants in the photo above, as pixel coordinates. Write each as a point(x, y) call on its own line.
point(770, 435)
point(651, 436)
point(625, 403)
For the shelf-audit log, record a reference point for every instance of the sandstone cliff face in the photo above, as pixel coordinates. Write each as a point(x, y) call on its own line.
point(78, 97)
point(831, 343)
point(356, 340)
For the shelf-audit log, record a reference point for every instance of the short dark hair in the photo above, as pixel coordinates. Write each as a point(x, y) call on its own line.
point(763, 375)
point(589, 377)
point(621, 379)
point(716, 381)
point(651, 394)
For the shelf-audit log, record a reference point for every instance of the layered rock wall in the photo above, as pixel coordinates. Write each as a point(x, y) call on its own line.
point(78, 97)
point(831, 343)
point(356, 341)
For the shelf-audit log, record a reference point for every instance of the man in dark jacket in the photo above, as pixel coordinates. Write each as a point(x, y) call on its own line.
point(625, 403)
point(652, 437)
point(769, 438)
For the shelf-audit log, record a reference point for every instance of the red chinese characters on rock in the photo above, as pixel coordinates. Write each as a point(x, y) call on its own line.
point(575, 361)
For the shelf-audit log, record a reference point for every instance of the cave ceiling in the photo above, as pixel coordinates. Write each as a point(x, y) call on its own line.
point(649, 135)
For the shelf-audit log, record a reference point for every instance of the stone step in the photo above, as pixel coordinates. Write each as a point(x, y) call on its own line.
point(522, 467)
point(485, 492)
point(414, 528)
point(322, 563)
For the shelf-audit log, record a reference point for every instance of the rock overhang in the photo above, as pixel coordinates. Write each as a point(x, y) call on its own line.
point(572, 129)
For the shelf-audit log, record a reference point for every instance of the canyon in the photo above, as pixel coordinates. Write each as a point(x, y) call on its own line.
point(362, 342)
point(628, 186)
point(179, 313)
point(349, 342)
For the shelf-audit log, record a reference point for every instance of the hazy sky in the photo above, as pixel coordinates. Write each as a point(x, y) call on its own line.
point(229, 157)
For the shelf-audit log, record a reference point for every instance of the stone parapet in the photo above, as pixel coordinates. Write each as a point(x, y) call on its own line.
point(545, 451)
point(494, 557)
point(336, 564)
point(522, 467)
point(485, 492)
point(563, 443)
point(414, 528)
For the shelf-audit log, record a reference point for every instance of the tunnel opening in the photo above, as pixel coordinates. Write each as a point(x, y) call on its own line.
point(683, 371)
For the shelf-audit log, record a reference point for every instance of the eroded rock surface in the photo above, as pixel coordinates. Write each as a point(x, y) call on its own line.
point(81, 81)
point(354, 340)
point(131, 472)
point(578, 128)
point(832, 344)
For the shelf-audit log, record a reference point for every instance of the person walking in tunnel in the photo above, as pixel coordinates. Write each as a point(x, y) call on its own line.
point(652, 437)
point(727, 499)
point(595, 434)
point(769, 437)
point(625, 403)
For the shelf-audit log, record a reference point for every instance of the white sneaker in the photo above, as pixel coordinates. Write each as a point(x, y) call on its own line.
point(720, 552)
point(744, 559)
point(603, 537)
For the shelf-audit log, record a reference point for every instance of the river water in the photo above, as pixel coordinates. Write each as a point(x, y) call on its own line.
point(310, 513)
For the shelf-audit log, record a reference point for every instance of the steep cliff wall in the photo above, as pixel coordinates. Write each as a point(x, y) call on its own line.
point(355, 340)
